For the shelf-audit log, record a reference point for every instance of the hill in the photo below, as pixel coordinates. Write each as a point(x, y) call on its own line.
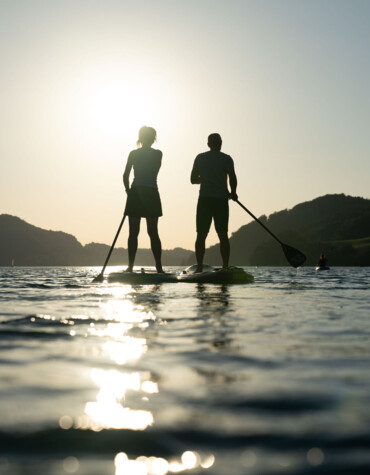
point(29, 245)
point(337, 225)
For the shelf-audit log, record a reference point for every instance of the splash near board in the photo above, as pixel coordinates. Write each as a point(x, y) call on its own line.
point(322, 268)
point(141, 278)
point(231, 275)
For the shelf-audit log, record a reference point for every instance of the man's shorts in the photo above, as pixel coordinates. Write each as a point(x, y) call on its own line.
point(216, 208)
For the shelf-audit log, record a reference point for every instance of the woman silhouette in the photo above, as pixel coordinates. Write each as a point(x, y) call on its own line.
point(143, 200)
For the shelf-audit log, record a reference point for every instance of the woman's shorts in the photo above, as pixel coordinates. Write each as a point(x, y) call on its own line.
point(143, 202)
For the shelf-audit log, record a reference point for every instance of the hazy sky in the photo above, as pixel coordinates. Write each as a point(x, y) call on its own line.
point(286, 84)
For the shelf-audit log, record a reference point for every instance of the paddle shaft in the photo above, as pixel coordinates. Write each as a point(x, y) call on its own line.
point(259, 222)
point(249, 212)
point(294, 257)
point(112, 247)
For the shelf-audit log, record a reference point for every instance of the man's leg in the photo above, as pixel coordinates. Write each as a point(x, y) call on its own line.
point(224, 248)
point(200, 249)
point(134, 224)
point(155, 242)
point(221, 218)
point(204, 220)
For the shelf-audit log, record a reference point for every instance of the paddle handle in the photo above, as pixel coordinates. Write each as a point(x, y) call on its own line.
point(259, 222)
point(112, 247)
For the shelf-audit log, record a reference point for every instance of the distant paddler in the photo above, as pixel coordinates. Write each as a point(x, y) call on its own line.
point(321, 263)
point(143, 200)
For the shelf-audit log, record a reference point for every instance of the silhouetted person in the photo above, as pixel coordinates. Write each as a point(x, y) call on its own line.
point(322, 261)
point(211, 169)
point(143, 200)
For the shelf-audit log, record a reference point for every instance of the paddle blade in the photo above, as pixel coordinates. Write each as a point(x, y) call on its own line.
point(295, 258)
point(99, 278)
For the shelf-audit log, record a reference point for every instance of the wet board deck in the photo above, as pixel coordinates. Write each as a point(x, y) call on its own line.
point(322, 268)
point(231, 275)
point(141, 277)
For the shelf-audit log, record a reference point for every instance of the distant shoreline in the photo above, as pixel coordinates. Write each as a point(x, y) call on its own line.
point(336, 225)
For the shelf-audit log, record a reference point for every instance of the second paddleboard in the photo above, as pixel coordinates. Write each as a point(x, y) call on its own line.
point(231, 275)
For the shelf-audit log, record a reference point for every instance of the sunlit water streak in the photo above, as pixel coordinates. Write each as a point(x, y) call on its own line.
point(270, 377)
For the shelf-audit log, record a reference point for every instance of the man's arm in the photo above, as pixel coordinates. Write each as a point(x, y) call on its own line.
point(126, 173)
point(233, 183)
point(195, 176)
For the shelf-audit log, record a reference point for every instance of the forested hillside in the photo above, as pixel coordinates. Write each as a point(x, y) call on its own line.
point(27, 245)
point(337, 225)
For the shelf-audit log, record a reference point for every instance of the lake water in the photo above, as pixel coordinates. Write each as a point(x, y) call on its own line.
point(106, 379)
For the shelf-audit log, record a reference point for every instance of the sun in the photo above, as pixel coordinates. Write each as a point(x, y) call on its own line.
point(117, 107)
point(109, 103)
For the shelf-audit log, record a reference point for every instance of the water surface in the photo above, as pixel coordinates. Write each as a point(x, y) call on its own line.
point(110, 379)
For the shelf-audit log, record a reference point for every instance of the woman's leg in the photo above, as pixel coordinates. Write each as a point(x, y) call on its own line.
point(134, 224)
point(152, 227)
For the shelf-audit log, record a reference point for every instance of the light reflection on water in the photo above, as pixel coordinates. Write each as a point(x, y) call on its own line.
point(189, 460)
point(121, 347)
point(127, 350)
point(109, 410)
point(124, 310)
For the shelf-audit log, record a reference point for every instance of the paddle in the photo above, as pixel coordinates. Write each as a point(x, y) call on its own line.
point(294, 257)
point(100, 277)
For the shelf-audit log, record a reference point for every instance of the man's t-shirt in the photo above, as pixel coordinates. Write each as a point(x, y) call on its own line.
point(213, 168)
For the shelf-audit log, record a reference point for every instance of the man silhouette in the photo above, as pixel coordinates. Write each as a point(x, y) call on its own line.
point(212, 169)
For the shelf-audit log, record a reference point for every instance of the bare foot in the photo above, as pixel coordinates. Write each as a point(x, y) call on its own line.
point(129, 269)
point(160, 270)
point(198, 270)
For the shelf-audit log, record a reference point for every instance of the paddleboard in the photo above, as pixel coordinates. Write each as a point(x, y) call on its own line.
point(141, 278)
point(231, 275)
point(322, 268)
